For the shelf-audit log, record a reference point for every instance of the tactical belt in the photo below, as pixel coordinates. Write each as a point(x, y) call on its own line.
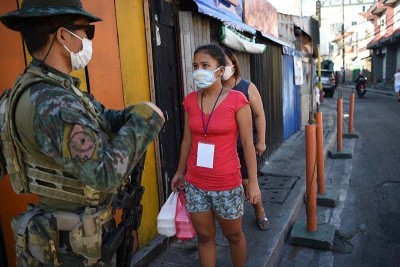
point(21, 228)
point(84, 231)
point(68, 220)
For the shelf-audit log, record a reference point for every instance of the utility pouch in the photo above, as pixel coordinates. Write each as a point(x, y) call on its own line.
point(86, 236)
point(36, 239)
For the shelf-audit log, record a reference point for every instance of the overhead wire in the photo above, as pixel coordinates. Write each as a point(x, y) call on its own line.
point(376, 32)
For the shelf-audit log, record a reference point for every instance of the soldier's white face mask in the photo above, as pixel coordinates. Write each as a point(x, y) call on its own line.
point(81, 59)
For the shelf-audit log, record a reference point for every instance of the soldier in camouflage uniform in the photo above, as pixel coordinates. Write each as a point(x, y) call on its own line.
point(74, 151)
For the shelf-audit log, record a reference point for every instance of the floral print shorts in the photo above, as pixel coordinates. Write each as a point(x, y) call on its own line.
point(226, 204)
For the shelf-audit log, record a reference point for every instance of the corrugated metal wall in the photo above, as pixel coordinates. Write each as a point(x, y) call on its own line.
point(266, 74)
point(194, 31)
point(244, 60)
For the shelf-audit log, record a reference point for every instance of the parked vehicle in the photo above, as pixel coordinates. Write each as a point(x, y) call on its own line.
point(328, 82)
point(361, 86)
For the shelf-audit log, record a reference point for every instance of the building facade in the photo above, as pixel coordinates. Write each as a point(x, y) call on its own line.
point(385, 17)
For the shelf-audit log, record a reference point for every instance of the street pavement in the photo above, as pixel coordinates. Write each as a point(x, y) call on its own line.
point(282, 182)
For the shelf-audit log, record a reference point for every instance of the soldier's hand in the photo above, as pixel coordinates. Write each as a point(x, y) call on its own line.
point(154, 107)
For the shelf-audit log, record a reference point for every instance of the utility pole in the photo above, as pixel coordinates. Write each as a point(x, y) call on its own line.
point(343, 59)
point(319, 85)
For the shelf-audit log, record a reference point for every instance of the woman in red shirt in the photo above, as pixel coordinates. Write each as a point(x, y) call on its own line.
point(209, 166)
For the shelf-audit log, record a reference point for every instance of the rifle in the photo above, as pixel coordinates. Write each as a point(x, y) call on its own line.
point(121, 240)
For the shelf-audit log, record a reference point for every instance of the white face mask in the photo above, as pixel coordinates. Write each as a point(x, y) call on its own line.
point(204, 78)
point(229, 71)
point(81, 59)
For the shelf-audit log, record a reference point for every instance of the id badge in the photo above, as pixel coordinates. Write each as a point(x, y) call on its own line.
point(205, 155)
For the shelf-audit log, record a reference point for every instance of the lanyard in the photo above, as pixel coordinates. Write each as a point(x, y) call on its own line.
point(205, 126)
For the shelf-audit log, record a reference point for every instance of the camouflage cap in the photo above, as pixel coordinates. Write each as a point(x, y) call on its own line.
point(44, 8)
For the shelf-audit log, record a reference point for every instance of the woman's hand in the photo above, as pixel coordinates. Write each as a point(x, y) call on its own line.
point(178, 182)
point(253, 193)
point(260, 148)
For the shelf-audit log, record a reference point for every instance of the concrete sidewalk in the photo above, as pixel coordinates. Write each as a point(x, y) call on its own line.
point(282, 181)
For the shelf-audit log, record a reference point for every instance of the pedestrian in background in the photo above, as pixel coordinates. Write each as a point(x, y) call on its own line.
point(232, 80)
point(396, 79)
point(76, 152)
point(209, 167)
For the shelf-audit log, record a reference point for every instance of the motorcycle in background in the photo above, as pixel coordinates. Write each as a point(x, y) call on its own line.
point(361, 86)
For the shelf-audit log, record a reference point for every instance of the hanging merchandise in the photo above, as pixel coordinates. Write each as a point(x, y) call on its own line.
point(184, 226)
point(239, 42)
point(166, 217)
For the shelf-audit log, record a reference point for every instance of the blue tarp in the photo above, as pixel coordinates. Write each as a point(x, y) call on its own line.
point(291, 98)
point(290, 51)
point(229, 14)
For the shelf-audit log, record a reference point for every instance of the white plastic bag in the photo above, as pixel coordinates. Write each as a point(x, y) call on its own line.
point(166, 217)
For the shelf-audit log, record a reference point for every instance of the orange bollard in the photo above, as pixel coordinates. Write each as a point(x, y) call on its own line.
point(311, 186)
point(339, 124)
point(351, 112)
point(320, 154)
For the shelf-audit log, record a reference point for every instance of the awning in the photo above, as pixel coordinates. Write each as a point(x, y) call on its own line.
point(386, 39)
point(374, 43)
point(239, 42)
point(276, 40)
point(207, 8)
point(390, 39)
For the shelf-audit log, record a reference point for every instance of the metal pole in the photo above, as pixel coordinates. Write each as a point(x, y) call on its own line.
point(320, 154)
point(311, 175)
point(351, 112)
point(339, 124)
point(321, 92)
point(343, 59)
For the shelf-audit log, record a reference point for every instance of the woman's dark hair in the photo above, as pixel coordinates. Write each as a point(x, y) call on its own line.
point(213, 50)
point(235, 62)
point(36, 31)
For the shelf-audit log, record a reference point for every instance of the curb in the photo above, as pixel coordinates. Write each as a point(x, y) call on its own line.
point(148, 253)
point(300, 191)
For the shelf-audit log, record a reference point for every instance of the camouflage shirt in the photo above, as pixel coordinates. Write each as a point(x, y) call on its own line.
point(66, 132)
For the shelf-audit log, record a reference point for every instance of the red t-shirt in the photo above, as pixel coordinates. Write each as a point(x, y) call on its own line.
point(222, 131)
